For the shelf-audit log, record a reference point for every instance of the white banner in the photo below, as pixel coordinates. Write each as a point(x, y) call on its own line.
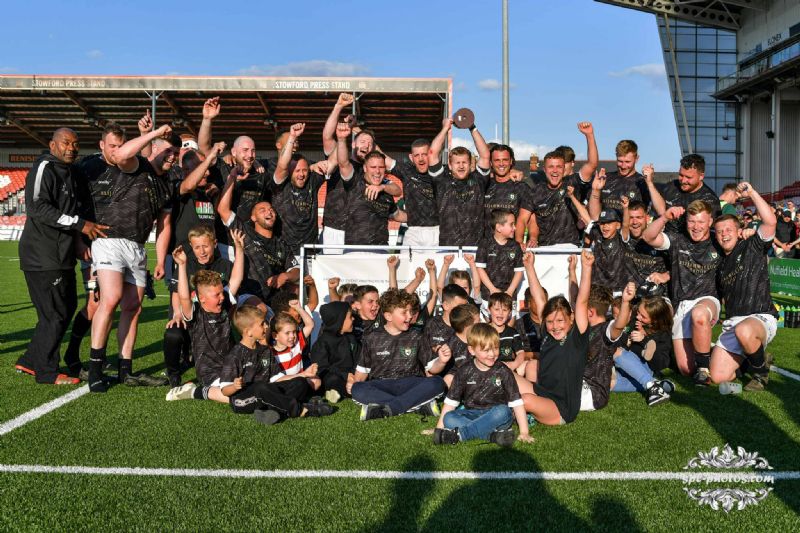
point(371, 269)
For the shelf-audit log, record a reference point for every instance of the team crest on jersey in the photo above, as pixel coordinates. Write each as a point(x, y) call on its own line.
point(512, 196)
point(496, 381)
point(265, 363)
point(631, 194)
point(713, 255)
point(408, 351)
point(506, 351)
point(512, 255)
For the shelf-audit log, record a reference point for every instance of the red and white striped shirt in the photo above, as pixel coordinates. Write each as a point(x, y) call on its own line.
point(291, 359)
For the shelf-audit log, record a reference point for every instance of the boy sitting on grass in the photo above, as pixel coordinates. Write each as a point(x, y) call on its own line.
point(249, 369)
point(391, 378)
point(489, 393)
point(462, 318)
point(438, 329)
point(335, 351)
point(499, 257)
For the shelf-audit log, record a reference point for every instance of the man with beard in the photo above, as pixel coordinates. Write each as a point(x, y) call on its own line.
point(47, 251)
point(129, 196)
point(743, 281)
point(420, 197)
point(505, 193)
point(694, 258)
point(163, 157)
point(295, 198)
point(687, 188)
point(555, 218)
point(334, 220)
point(369, 207)
point(626, 181)
point(270, 262)
point(460, 192)
point(253, 184)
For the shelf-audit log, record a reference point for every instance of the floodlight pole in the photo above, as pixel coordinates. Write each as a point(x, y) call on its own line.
point(505, 73)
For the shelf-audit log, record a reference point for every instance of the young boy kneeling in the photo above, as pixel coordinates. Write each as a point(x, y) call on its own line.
point(391, 376)
point(489, 393)
point(248, 369)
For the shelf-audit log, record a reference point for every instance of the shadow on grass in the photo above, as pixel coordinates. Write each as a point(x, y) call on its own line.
point(741, 423)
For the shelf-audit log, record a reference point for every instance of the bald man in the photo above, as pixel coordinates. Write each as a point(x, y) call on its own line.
point(47, 251)
point(253, 184)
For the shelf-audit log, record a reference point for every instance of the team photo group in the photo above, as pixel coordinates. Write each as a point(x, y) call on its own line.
point(652, 268)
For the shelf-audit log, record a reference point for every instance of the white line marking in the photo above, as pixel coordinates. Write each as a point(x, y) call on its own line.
point(786, 373)
point(377, 474)
point(42, 410)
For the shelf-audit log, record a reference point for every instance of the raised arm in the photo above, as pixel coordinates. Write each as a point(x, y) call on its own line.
point(654, 235)
point(595, 206)
point(582, 303)
point(312, 296)
point(128, 151)
point(237, 272)
point(145, 126)
point(211, 109)
point(583, 213)
point(329, 130)
point(392, 262)
point(659, 205)
point(768, 219)
point(572, 267)
point(475, 275)
point(333, 285)
point(184, 295)
point(441, 281)
point(342, 152)
point(433, 292)
point(625, 227)
point(308, 322)
point(285, 157)
point(624, 316)
point(416, 281)
point(537, 291)
point(224, 205)
point(437, 145)
point(593, 158)
point(189, 183)
point(480, 145)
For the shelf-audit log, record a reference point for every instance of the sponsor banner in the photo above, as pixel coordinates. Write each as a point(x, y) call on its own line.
point(784, 276)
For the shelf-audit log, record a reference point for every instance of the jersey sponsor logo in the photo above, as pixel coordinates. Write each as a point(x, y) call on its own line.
point(384, 352)
point(245, 401)
point(472, 382)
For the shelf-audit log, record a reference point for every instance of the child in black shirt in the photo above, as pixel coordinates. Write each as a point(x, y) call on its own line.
point(335, 350)
point(499, 257)
point(391, 365)
point(462, 318)
point(489, 394)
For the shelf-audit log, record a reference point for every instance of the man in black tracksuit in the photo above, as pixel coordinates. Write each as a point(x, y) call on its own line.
point(335, 349)
point(47, 252)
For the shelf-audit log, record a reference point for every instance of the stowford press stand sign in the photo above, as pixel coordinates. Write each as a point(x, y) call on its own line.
point(784, 276)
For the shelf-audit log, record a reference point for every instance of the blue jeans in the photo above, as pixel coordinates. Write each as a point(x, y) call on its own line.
point(479, 423)
point(399, 395)
point(632, 373)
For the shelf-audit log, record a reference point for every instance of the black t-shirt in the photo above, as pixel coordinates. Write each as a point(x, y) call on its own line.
point(634, 187)
point(193, 209)
point(693, 267)
point(367, 220)
point(336, 198)
point(99, 181)
point(641, 260)
point(675, 197)
point(247, 192)
point(609, 270)
point(560, 376)
point(362, 328)
point(297, 209)
point(460, 354)
point(599, 362)
point(264, 257)
point(501, 262)
point(556, 217)
point(419, 193)
point(743, 278)
point(437, 332)
point(483, 389)
point(460, 206)
point(530, 332)
point(509, 195)
point(386, 356)
point(786, 232)
point(127, 202)
point(218, 264)
point(510, 344)
point(252, 365)
point(211, 340)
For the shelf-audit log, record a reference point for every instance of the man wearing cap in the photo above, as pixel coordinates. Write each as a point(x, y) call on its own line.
point(47, 252)
point(785, 236)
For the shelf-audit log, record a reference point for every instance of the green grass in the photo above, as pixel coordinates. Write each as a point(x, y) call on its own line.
point(137, 428)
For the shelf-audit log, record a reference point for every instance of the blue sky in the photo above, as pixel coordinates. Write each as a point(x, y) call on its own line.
point(570, 60)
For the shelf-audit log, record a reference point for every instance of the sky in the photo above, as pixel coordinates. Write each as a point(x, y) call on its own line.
point(570, 60)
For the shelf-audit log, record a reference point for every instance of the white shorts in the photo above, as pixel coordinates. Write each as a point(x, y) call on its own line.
point(332, 236)
point(121, 255)
point(587, 403)
point(682, 320)
point(421, 236)
point(728, 341)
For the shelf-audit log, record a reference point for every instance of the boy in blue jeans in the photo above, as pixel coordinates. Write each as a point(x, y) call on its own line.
point(396, 365)
point(489, 394)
